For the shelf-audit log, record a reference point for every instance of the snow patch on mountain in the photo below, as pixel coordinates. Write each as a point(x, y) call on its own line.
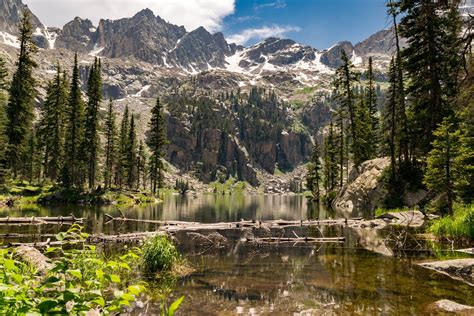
point(9, 39)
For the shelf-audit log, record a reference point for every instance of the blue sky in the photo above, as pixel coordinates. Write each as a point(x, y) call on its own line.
point(319, 23)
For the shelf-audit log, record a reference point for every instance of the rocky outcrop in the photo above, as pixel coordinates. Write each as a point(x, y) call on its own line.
point(364, 191)
point(79, 36)
point(293, 150)
point(144, 36)
point(332, 56)
point(201, 50)
point(459, 269)
point(10, 14)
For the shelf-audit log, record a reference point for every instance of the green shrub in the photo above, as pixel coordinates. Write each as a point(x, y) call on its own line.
point(460, 225)
point(159, 255)
point(80, 280)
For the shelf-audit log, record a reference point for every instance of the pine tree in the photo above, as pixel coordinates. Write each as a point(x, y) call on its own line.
point(330, 160)
point(52, 127)
point(390, 117)
point(313, 178)
point(345, 79)
point(424, 26)
point(141, 166)
point(464, 162)
point(156, 140)
point(131, 162)
point(3, 125)
point(21, 97)
point(440, 171)
point(371, 103)
point(72, 173)
point(91, 145)
point(120, 174)
point(401, 109)
point(110, 145)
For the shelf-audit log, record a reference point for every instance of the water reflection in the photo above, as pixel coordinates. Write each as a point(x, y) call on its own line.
point(203, 208)
point(328, 281)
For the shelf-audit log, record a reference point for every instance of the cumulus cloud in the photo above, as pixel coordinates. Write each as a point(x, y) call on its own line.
point(190, 13)
point(261, 33)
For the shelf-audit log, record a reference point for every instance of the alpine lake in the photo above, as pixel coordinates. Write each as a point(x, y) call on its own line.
point(353, 277)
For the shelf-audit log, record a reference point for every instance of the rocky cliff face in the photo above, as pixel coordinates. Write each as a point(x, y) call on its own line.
point(78, 36)
point(364, 190)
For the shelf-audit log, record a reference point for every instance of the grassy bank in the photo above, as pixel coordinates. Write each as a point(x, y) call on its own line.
point(459, 226)
point(20, 194)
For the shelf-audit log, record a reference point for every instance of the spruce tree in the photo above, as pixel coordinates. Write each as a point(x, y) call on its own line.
point(73, 168)
point(344, 84)
point(22, 95)
point(313, 178)
point(330, 160)
point(424, 25)
point(141, 166)
point(110, 129)
point(91, 144)
point(156, 140)
point(389, 119)
point(52, 127)
point(3, 125)
point(121, 174)
point(371, 104)
point(440, 171)
point(131, 162)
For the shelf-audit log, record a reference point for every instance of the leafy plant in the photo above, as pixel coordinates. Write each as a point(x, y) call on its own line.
point(80, 280)
point(457, 226)
point(159, 255)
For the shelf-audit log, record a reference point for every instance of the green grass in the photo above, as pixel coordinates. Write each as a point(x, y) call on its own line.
point(230, 186)
point(458, 226)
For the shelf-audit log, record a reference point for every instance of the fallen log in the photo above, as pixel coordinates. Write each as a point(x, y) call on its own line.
point(33, 257)
point(40, 220)
point(295, 240)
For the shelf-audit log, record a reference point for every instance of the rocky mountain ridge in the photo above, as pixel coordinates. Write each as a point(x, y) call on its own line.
point(151, 39)
point(144, 57)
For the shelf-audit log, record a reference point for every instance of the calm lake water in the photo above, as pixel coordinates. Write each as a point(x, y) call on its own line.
point(323, 279)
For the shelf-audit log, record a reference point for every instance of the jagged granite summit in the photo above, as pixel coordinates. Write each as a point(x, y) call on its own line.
point(151, 39)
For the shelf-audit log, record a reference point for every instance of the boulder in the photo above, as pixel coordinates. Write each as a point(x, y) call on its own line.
point(364, 190)
point(459, 269)
point(408, 218)
point(447, 306)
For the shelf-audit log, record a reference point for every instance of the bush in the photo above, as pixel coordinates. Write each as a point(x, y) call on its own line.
point(460, 225)
point(79, 281)
point(159, 255)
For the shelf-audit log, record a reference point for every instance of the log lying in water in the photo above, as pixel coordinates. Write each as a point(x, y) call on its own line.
point(40, 220)
point(296, 240)
point(179, 225)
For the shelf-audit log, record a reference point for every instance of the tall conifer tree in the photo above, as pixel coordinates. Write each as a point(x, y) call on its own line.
point(156, 140)
point(91, 145)
point(3, 124)
point(110, 145)
point(73, 168)
point(22, 95)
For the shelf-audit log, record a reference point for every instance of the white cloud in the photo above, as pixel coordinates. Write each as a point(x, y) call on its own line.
point(261, 33)
point(279, 4)
point(190, 13)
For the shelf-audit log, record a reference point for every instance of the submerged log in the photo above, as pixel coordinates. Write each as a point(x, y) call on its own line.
point(40, 220)
point(296, 240)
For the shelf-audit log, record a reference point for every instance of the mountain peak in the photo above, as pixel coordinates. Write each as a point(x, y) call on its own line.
point(145, 13)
